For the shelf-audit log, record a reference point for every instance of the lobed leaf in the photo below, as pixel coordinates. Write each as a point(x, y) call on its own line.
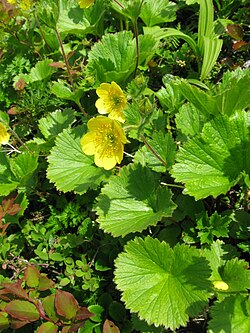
point(210, 165)
point(132, 201)
point(164, 285)
point(56, 122)
point(69, 168)
point(231, 315)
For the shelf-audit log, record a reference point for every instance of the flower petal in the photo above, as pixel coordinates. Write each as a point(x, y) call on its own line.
point(4, 135)
point(88, 144)
point(101, 106)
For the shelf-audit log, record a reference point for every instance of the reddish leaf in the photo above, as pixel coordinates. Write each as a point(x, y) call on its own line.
point(32, 276)
point(47, 327)
point(235, 31)
point(16, 289)
point(4, 292)
point(240, 45)
point(16, 324)
point(57, 64)
point(10, 207)
point(66, 304)
point(75, 327)
point(45, 283)
point(110, 327)
point(65, 329)
point(83, 314)
point(49, 307)
point(22, 310)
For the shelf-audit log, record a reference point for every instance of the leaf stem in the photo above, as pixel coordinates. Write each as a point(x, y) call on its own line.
point(65, 60)
point(136, 47)
point(119, 4)
point(153, 151)
point(173, 185)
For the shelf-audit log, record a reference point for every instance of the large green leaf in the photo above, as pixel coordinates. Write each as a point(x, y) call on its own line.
point(231, 315)
point(69, 168)
point(77, 21)
point(155, 12)
point(133, 201)
point(210, 165)
point(164, 285)
point(55, 122)
point(114, 57)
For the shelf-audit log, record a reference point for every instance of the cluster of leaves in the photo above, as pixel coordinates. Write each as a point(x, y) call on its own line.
point(26, 305)
point(161, 241)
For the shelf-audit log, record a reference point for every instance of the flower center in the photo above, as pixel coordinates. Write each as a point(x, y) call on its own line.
point(106, 141)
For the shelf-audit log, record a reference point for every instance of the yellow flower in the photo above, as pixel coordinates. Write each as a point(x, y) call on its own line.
point(4, 135)
point(25, 4)
point(85, 3)
point(221, 285)
point(105, 140)
point(112, 100)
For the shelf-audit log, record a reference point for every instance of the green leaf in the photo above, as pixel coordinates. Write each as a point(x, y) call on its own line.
point(114, 57)
point(231, 315)
point(8, 182)
point(32, 276)
point(56, 122)
point(215, 225)
point(212, 48)
point(164, 285)
point(162, 33)
point(190, 120)
point(49, 307)
point(23, 166)
point(210, 165)
point(202, 100)
point(4, 321)
point(132, 201)
point(218, 254)
point(69, 168)
point(41, 71)
point(236, 274)
point(22, 310)
point(170, 97)
point(164, 146)
point(234, 93)
point(66, 304)
point(62, 91)
point(48, 327)
point(78, 21)
point(155, 12)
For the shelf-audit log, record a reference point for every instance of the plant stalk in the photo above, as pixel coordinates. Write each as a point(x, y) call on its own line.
point(153, 151)
point(65, 60)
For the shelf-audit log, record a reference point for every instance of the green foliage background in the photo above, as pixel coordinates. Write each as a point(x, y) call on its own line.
point(144, 245)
